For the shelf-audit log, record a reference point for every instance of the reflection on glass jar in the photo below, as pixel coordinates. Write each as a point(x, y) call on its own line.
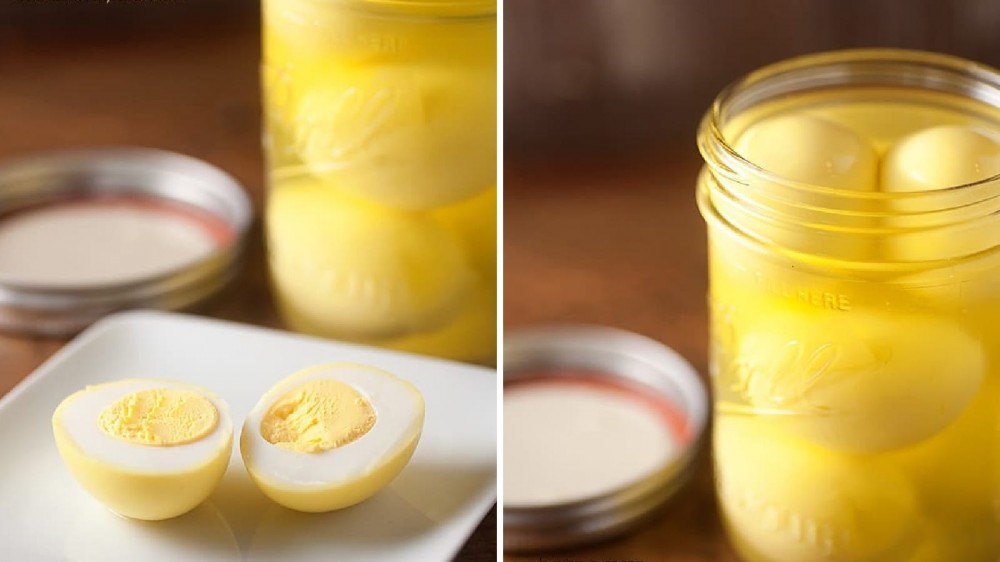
point(381, 147)
point(851, 200)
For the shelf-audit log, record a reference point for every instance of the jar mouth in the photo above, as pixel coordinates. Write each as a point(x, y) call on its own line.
point(849, 67)
point(776, 210)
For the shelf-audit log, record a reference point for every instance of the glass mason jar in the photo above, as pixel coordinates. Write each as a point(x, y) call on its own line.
point(853, 209)
point(380, 141)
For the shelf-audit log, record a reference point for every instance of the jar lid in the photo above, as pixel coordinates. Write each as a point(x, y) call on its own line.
point(84, 233)
point(601, 427)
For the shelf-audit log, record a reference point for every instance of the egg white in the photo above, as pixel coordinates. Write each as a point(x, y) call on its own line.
point(79, 419)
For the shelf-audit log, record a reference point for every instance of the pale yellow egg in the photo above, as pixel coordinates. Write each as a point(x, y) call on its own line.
point(927, 162)
point(786, 500)
point(811, 150)
point(857, 381)
point(940, 157)
point(814, 170)
point(147, 449)
point(331, 436)
point(345, 268)
point(408, 137)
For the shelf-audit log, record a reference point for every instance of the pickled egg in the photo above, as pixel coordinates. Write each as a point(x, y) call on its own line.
point(331, 436)
point(858, 381)
point(940, 157)
point(933, 160)
point(147, 449)
point(811, 157)
point(412, 138)
point(787, 500)
point(811, 150)
point(346, 268)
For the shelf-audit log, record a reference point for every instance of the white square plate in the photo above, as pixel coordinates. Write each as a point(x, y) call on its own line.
point(424, 515)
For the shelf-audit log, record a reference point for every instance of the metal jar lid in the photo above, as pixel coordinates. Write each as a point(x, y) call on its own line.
point(625, 358)
point(149, 174)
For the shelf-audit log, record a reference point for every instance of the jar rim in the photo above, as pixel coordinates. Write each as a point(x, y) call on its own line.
point(982, 82)
point(424, 9)
point(768, 198)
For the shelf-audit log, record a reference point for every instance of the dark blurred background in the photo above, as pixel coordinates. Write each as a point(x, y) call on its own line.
point(174, 74)
point(92, 19)
point(611, 75)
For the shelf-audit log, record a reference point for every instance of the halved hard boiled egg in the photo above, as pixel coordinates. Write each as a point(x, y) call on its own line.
point(331, 436)
point(147, 449)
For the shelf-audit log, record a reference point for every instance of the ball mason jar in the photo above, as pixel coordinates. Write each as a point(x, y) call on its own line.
point(855, 349)
point(380, 142)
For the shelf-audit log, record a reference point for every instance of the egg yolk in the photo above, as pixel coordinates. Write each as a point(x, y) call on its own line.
point(317, 416)
point(160, 417)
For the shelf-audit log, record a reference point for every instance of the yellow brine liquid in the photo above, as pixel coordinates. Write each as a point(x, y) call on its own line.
point(381, 148)
point(856, 364)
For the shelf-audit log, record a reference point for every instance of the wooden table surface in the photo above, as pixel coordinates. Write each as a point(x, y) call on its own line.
point(618, 242)
point(186, 89)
